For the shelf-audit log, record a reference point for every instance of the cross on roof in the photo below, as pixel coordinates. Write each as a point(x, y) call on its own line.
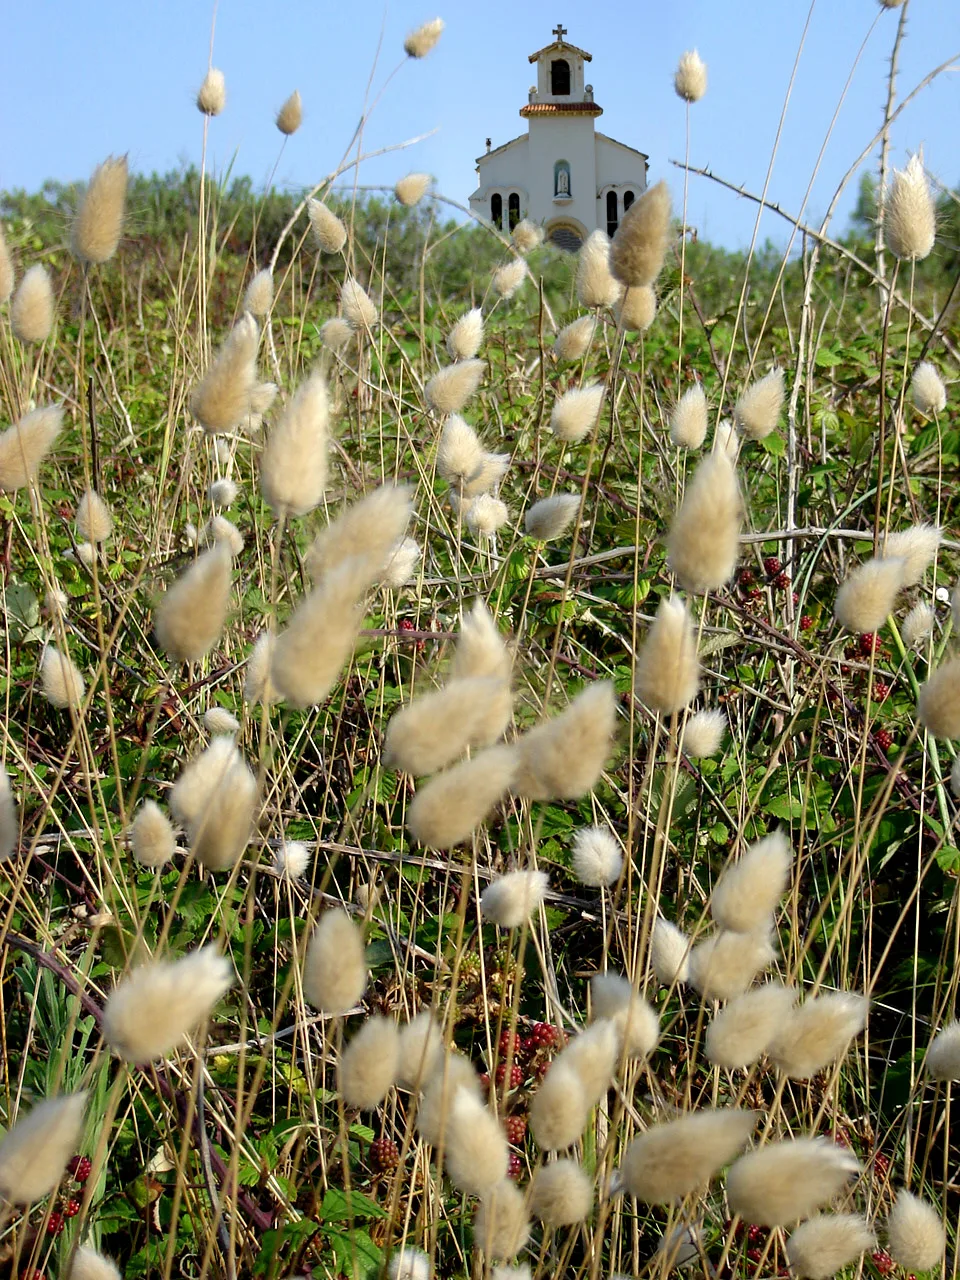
point(559, 31)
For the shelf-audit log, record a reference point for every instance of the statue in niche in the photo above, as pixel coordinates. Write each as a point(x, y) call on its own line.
point(563, 181)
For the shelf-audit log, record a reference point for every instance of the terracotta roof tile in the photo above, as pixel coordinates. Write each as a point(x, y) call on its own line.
point(561, 108)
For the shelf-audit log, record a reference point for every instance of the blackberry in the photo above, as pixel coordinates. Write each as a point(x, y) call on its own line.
point(756, 1234)
point(869, 643)
point(516, 1075)
point(772, 566)
point(80, 1168)
point(884, 740)
point(514, 1167)
point(527, 1048)
point(881, 1165)
point(516, 1130)
point(806, 622)
point(881, 690)
point(55, 1224)
point(782, 581)
point(746, 578)
point(30, 1273)
point(508, 1044)
point(71, 1208)
point(544, 1035)
point(384, 1155)
point(882, 1261)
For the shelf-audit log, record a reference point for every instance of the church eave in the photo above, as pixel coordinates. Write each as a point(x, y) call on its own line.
point(560, 46)
point(561, 109)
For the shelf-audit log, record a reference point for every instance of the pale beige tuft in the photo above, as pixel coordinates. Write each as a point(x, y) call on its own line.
point(757, 412)
point(916, 547)
point(501, 1227)
point(218, 721)
point(784, 1182)
point(221, 400)
point(98, 223)
point(453, 1073)
point(326, 226)
point(638, 249)
point(561, 1194)
point(819, 1033)
point(154, 1008)
point(88, 1264)
point(369, 1063)
point(559, 1109)
point(35, 1150)
point(262, 397)
point(401, 563)
point(63, 685)
point(911, 223)
point(703, 733)
point(152, 841)
point(915, 1234)
point(635, 1022)
point(411, 189)
point(688, 421)
point(459, 454)
point(927, 391)
point(668, 669)
point(359, 308)
point(562, 758)
point(527, 236)
point(257, 685)
point(258, 298)
point(24, 446)
point(827, 1243)
point(507, 279)
point(294, 464)
point(551, 517)
point(9, 819)
point(513, 898)
point(32, 308)
point(573, 340)
point(943, 1056)
point(7, 275)
point(724, 965)
point(453, 804)
point(93, 518)
point(492, 470)
point(481, 649)
point(435, 729)
point(486, 514)
point(214, 798)
point(704, 539)
point(335, 334)
point(596, 287)
point(190, 615)
point(422, 39)
point(222, 492)
point(212, 94)
point(690, 77)
point(637, 309)
point(576, 412)
point(918, 625)
point(419, 1050)
point(597, 859)
point(290, 115)
point(671, 1160)
point(868, 594)
point(669, 953)
point(450, 389)
point(318, 641)
point(747, 1026)
point(938, 706)
point(367, 532)
point(466, 336)
point(747, 892)
point(476, 1154)
point(335, 966)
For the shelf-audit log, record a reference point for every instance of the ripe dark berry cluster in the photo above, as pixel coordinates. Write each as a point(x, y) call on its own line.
point(869, 643)
point(772, 566)
point(516, 1075)
point(782, 581)
point(384, 1155)
point(55, 1224)
point(80, 1168)
point(516, 1130)
point(884, 740)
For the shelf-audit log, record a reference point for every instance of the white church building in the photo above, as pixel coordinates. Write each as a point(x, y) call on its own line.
point(562, 173)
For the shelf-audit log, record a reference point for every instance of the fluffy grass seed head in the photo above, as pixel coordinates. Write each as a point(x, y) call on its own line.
point(453, 1073)
point(640, 244)
point(690, 77)
point(916, 547)
point(465, 338)
point(294, 463)
point(152, 841)
point(507, 279)
point(563, 757)
point(592, 1055)
point(411, 189)
point(746, 1027)
point(513, 898)
point(290, 115)
point(551, 517)
point(257, 684)
point(818, 1033)
point(221, 399)
point(688, 421)
point(637, 309)
point(597, 859)
point(291, 859)
point(98, 223)
point(561, 1194)
point(410, 1264)
point(401, 564)
point(222, 492)
point(671, 1160)
point(9, 818)
point(366, 531)
point(190, 615)
point(782, 1183)
point(419, 1050)
point(155, 1007)
point(63, 685)
point(24, 446)
point(335, 966)
point(481, 649)
point(575, 413)
point(219, 722)
point(635, 1022)
point(938, 706)
point(828, 1242)
point(868, 593)
point(943, 1056)
point(911, 223)
point(757, 412)
point(927, 391)
point(435, 729)
point(669, 953)
point(212, 94)
point(492, 470)
point(88, 1264)
point(215, 798)
point(459, 454)
point(918, 625)
point(573, 340)
point(724, 965)
point(596, 286)
point(335, 334)
point(559, 1109)
point(668, 669)
point(450, 389)
point(32, 308)
point(748, 891)
point(35, 1150)
point(454, 803)
point(7, 275)
point(527, 236)
point(422, 39)
point(358, 307)
point(501, 1227)
point(476, 1155)
point(258, 297)
point(915, 1235)
point(262, 397)
point(704, 539)
point(368, 1065)
point(703, 733)
point(330, 232)
point(486, 514)
point(93, 519)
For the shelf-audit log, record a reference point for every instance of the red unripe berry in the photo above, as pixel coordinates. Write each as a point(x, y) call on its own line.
point(756, 1234)
point(32, 1274)
point(869, 643)
point(485, 1080)
point(881, 1164)
point(754, 1254)
point(55, 1224)
point(384, 1155)
point(516, 1075)
point(514, 1167)
point(880, 690)
point(806, 622)
point(882, 1261)
point(782, 581)
point(795, 598)
point(746, 578)
point(80, 1168)
point(528, 1047)
point(544, 1034)
point(508, 1044)
point(772, 566)
point(515, 1128)
point(884, 740)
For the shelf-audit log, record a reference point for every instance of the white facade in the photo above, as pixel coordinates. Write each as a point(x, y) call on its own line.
point(561, 173)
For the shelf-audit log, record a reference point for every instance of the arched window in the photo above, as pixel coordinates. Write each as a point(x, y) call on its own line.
point(496, 211)
point(560, 78)
point(612, 220)
point(513, 209)
point(561, 179)
point(628, 199)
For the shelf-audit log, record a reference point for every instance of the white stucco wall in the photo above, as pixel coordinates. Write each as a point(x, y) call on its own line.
point(570, 139)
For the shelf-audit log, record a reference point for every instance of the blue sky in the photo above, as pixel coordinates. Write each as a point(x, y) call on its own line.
point(83, 80)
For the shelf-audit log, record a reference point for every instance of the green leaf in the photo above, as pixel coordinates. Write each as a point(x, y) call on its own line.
point(23, 611)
